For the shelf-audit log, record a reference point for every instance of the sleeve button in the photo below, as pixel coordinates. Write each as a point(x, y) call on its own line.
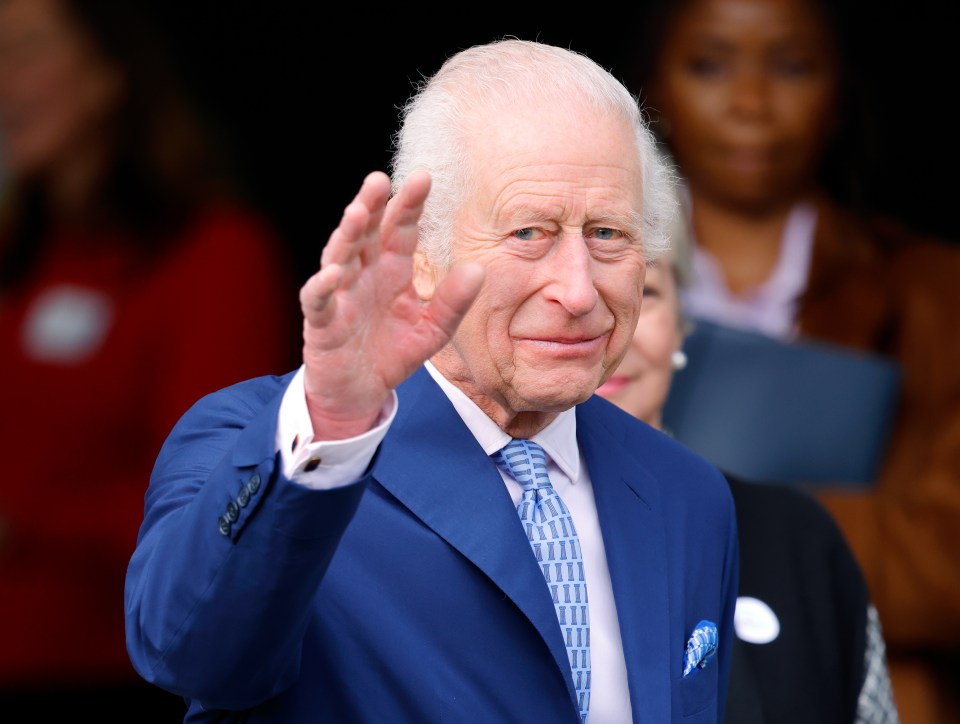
point(233, 512)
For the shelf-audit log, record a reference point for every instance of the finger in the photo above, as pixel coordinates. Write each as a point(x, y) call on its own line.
point(316, 295)
point(344, 243)
point(360, 218)
point(453, 297)
point(375, 190)
point(374, 194)
point(403, 212)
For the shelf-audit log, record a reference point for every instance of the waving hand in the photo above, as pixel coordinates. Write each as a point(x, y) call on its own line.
point(364, 328)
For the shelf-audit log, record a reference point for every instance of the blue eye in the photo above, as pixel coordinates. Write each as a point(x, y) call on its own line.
point(604, 240)
point(525, 234)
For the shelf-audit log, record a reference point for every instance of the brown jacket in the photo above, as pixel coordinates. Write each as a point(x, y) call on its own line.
point(881, 288)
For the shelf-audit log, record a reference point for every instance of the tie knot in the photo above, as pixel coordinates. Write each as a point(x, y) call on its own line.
point(526, 462)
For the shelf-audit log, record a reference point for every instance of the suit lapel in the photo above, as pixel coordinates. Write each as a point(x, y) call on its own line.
point(631, 519)
point(431, 463)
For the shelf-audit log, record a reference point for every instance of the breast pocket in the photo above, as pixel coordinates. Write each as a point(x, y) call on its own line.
point(698, 694)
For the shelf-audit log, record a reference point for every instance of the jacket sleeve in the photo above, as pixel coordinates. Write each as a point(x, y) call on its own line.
point(229, 555)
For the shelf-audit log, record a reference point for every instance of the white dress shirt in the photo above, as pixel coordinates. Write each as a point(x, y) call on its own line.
point(326, 465)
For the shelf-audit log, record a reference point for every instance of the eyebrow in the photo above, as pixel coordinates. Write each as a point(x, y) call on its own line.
point(631, 222)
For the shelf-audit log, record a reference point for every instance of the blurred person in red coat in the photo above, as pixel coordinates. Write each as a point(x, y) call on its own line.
point(758, 104)
point(133, 280)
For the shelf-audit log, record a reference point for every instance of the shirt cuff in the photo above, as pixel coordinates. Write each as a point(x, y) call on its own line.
point(318, 464)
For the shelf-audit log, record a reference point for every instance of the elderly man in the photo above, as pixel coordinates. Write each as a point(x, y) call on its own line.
point(434, 518)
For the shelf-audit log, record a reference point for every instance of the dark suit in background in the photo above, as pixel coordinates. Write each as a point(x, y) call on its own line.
point(794, 559)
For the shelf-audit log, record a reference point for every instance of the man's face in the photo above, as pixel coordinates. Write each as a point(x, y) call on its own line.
point(555, 220)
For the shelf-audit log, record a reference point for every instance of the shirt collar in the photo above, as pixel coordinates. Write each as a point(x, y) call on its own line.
point(558, 439)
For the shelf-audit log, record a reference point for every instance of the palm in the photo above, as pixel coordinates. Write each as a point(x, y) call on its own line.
point(365, 329)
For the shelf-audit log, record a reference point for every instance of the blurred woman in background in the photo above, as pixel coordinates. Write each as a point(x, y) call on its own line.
point(809, 645)
point(755, 100)
point(123, 243)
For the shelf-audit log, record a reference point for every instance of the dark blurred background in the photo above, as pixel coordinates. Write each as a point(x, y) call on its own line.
point(307, 97)
point(305, 100)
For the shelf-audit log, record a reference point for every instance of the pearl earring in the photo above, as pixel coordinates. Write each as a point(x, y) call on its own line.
point(679, 359)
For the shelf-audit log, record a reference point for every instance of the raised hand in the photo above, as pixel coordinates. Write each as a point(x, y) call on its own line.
point(364, 328)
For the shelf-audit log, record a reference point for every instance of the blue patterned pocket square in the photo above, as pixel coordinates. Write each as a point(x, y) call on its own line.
point(701, 647)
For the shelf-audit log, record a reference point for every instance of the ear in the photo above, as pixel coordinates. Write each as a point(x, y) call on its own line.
point(425, 276)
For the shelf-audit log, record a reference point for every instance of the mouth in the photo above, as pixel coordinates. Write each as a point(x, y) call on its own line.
point(565, 347)
point(749, 159)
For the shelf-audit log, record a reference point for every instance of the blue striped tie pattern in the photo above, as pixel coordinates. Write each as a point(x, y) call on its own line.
point(553, 538)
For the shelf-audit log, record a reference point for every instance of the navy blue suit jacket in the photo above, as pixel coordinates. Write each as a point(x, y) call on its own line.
point(412, 596)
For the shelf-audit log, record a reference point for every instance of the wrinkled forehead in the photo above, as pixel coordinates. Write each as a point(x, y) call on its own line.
point(580, 140)
point(565, 165)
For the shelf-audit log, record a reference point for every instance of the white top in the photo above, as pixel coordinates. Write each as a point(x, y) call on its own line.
point(770, 308)
point(344, 461)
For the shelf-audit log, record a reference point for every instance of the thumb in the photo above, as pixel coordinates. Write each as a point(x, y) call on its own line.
point(454, 295)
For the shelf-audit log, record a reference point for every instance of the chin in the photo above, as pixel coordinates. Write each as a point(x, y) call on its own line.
point(556, 397)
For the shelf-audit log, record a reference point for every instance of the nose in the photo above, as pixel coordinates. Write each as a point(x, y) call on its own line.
point(750, 92)
point(572, 283)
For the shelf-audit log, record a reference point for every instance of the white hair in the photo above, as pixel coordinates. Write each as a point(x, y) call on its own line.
point(437, 118)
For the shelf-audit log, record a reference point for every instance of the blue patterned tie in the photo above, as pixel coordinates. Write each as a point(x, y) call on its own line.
point(555, 544)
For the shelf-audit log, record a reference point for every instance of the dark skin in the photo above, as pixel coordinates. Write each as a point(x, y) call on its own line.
point(747, 89)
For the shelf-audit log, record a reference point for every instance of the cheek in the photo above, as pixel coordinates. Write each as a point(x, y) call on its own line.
point(51, 83)
point(484, 330)
point(660, 340)
point(472, 327)
point(510, 296)
point(621, 288)
point(58, 104)
point(809, 123)
point(690, 103)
